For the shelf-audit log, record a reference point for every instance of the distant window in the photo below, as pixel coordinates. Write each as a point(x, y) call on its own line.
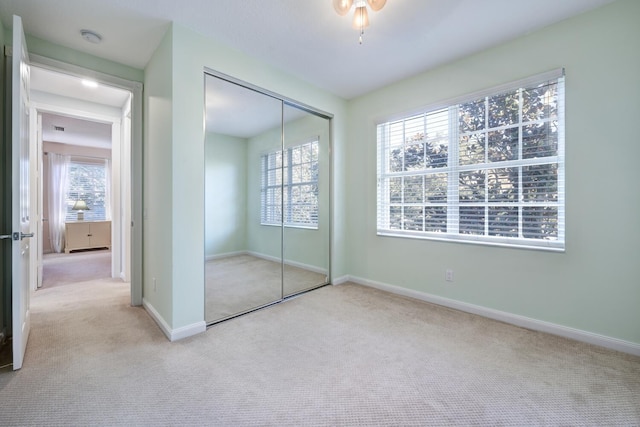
point(489, 169)
point(290, 186)
point(88, 182)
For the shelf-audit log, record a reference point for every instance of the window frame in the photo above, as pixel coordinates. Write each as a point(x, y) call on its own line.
point(453, 169)
point(70, 215)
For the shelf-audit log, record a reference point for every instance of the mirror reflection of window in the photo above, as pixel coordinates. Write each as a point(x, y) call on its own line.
point(289, 187)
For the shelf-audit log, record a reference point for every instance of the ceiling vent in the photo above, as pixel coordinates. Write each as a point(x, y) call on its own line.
point(58, 128)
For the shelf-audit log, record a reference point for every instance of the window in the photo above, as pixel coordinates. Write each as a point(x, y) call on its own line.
point(88, 181)
point(487, 169)
point(290, 186)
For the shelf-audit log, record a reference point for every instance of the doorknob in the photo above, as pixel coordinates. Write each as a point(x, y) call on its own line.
point(16, 236)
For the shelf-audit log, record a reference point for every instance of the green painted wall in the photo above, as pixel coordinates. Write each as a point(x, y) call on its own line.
point(158, 182)
point(225, 194)
point(595, 285)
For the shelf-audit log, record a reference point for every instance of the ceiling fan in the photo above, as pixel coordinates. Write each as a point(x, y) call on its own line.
point(360, 16)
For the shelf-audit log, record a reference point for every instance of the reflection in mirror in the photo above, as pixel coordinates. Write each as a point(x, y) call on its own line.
point(243, 269)
point(306, 200)
point(267, 193)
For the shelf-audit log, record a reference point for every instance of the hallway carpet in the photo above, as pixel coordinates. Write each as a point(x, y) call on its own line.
point(64, 269)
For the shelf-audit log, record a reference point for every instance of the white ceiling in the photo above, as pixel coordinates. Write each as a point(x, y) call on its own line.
point(236, 111)
point(76, 131)
point(302, 37)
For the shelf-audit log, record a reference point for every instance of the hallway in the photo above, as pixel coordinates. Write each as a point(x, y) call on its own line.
point(63, 269)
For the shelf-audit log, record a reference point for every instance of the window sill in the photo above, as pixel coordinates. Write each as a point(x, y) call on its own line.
point(547, 246)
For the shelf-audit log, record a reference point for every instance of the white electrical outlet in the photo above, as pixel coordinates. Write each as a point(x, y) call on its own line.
point(448, 275)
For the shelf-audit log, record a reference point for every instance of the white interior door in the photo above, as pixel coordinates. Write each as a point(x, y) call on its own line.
point(20, 196)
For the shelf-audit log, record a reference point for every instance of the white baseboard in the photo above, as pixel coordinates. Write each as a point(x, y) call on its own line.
point(268, 258)
point(308, 267)
point(173, 334)
point(514, 319)
point(341, 280)
point(263, 256)
point(225, 255)
point(188, 331)
point(164, 327)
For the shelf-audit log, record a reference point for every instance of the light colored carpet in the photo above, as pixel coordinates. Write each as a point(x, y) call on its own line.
point(338, 356)
point(243, 282)
point(63, 269)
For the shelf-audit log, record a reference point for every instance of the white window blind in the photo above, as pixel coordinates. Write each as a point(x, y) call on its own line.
point(289, 188)
point(88, 182)
point(489, 168)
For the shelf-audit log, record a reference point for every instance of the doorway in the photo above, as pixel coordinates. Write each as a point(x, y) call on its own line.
point(76, 209)
point(109, 102)
point(82, 188)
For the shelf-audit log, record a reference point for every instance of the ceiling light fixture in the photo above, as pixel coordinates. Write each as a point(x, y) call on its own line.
point(91, 36)
point(89, 83)
point(361, 16)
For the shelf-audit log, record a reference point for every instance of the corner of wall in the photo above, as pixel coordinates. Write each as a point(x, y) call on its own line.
point(157, 183)
point(173, 334)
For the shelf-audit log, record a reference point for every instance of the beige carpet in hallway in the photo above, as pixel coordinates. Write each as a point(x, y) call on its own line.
point(338, 356)
point(63, 269)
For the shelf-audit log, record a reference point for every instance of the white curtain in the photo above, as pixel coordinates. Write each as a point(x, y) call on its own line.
point(58, 183)
point(107, 189)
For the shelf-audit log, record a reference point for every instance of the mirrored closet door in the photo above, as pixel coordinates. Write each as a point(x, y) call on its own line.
point(266, 198)
point(306, 200)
